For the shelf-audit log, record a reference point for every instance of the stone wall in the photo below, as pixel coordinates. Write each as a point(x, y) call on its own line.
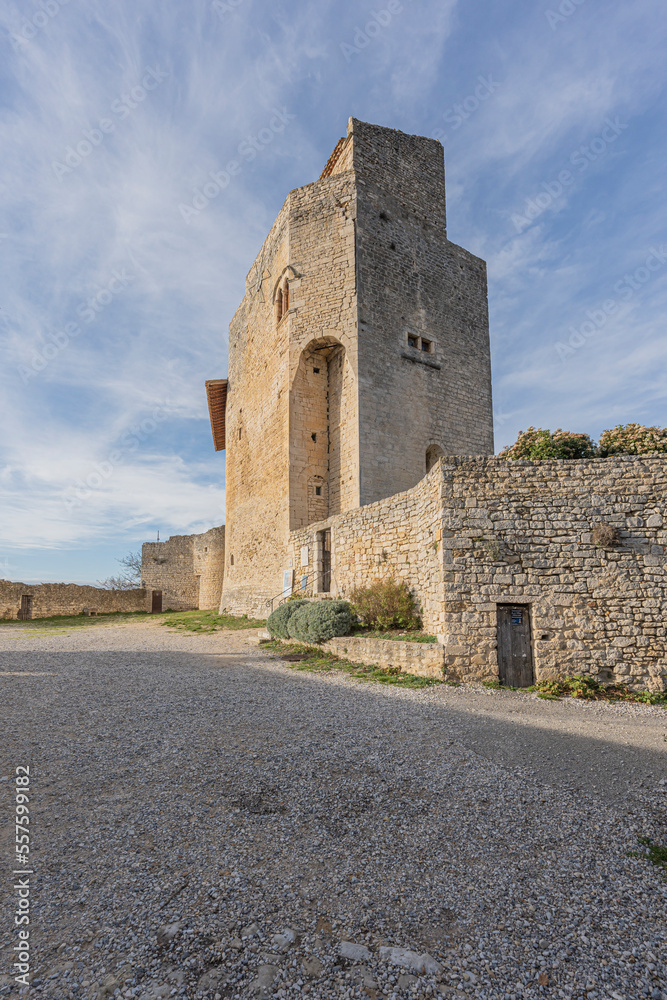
point(394, 538)
point(481, 532)
point(66, 599)
point(188, 569)
point(360, 347)
point(523, 532)
point(424, 356)
point(423, 659)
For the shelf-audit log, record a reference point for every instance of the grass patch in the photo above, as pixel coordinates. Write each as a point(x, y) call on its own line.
point(588, 688)
point(209, 621)
point(315, 660)
point(73, 621)
point(497, 686)
point(654, 852)
point(395, 635)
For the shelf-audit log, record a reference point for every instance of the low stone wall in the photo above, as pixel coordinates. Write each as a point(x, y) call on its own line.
point(424, 659)
point(66, 599)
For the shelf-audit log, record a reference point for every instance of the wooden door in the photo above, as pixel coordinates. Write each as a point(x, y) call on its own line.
point(156, 602)
point(326, 561)
point(515, 652)
point(26, 608)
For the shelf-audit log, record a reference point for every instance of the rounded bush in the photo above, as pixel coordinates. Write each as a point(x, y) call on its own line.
point(278, 620)
point(321, 620)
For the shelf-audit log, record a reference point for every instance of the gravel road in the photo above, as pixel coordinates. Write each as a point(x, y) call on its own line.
point(206, 822)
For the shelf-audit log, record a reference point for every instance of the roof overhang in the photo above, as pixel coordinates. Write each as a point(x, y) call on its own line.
point(216, 393)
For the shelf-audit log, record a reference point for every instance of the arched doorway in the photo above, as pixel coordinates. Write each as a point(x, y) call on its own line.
point(433, 453)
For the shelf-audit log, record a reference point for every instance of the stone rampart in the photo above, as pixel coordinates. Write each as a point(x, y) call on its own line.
point(65, 599)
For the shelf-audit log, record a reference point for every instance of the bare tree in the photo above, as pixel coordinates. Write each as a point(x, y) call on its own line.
point(130, 579)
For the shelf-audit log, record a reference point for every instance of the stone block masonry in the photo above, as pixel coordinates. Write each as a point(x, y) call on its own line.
point(46, 599)
point(187, 569)
point(360, 350)
point(477, 533)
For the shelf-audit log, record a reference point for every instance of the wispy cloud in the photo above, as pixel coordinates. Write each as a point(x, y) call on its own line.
point(143, 104)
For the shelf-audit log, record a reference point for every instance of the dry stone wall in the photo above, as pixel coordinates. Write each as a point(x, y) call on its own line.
point(66, 599)
point(394, 538)
point(523, 532)
point(477, 533)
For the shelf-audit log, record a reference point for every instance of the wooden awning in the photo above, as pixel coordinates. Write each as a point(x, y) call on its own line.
point(216, 392)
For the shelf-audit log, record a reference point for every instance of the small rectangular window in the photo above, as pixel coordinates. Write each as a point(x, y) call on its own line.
point(316, 371)
point(314, 437)
point(413, 341)
point(426, 345)
point(318, 491)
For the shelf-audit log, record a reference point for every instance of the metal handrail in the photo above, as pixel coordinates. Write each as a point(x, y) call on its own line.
point(270, 601)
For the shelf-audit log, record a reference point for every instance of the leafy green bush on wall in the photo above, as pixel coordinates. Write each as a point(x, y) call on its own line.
point(633, 439)
point(536, 443)
point(386, 604)
point(626, 439)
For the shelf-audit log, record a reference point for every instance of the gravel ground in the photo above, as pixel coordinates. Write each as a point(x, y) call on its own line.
point(206, 822)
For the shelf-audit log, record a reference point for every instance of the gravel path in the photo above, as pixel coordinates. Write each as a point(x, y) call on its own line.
point(207, 822)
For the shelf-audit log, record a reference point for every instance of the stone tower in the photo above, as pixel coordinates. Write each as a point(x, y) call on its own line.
point(358, 356)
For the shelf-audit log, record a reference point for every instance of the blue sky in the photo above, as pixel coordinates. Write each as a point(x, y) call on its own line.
point(116, 295)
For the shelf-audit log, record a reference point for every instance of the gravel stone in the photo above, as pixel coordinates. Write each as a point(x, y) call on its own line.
point(192, 781)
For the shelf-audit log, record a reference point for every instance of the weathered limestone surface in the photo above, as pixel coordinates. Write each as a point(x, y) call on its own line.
point(420, 658)
point(188, 569)
point(478, 532)
point(361, 344)
point(66, 599)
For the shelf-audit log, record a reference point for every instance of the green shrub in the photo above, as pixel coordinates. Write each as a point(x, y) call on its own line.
point(321, 620)
point(633, 439)
point(278, 620)
point(536, 444)
point(386, 604)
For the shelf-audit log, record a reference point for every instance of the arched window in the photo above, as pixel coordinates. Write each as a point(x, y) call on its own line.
point(433, 453)
point(279, 306)
point(285, 296)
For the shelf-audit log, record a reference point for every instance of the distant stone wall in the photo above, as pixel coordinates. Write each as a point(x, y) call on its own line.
point(66, 599)
point(477, 533)
point(188, 569)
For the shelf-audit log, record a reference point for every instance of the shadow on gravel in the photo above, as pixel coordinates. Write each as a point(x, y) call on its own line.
point(113, 691)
